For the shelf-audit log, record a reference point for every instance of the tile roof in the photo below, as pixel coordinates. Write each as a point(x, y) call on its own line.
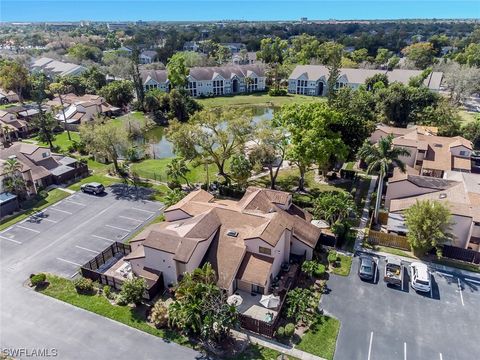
point(255, 269)
point(359, 76)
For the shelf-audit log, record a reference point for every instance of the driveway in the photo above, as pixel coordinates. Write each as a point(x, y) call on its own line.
point(58, 240)
point(380, 322)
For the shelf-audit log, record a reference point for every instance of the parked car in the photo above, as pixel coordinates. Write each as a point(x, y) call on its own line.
point(92, 188)
point(393, 272)
point(420, 279)
point(366, 268)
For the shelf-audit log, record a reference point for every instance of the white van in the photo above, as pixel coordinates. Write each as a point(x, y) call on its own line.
point(420, 277)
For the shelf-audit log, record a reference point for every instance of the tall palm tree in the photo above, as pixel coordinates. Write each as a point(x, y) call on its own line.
point(177, 168)
point(13, 180)
point(380, 158)
point(12, 166)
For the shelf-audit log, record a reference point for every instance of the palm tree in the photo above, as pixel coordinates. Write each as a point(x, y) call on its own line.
point(177, 168)
point(13, 181)
point(380, 158)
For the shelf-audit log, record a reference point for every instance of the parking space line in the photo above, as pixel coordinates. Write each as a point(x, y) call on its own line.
point(68, 261)
point(76, 203)
point(118, 228)
point(404, 351)
point(441, 356)
point(472, 281)
point(14, 241)
point(460, 290)
point(147, 211)
point(74, 274)
point(86, 249)
point(103, 238)
point(444, 274)
point(63, 211)
point(370, 346)
point(129, 218)
point(26, 228)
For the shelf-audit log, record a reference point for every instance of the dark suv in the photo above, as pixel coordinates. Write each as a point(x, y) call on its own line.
point(93, 188)
point(366, 268)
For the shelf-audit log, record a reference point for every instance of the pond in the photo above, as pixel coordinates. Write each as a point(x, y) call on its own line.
point(159, 147)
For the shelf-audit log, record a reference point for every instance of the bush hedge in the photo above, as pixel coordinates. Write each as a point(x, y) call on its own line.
point(83, 285)
point(289, 329)
point(38, 279)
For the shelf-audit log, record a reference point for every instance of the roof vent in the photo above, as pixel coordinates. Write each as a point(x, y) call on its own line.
point(438, 145)
point(232, 233)
point(443, 195)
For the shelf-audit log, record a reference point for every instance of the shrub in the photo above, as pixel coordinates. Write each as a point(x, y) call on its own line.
point(132, 290)
point(320, 270)
point(121, 300)
point(277, 92)
point(332, 257)
point(289, 329)
point(83, 285)
point(38, 279)
point(281, 332)
point(159, 314)
point(107, 291)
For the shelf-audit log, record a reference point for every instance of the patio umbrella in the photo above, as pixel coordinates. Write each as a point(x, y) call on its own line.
point(234, 300)
point(270, 301)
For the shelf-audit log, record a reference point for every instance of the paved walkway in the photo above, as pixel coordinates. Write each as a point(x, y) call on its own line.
point(268, 343)
point(365, 212)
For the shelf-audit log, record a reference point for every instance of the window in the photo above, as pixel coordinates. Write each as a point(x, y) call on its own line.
point(463, 153)
point(264, 250)
point(45, 154)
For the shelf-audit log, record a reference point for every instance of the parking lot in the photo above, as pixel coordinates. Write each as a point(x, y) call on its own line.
point(381, 322)
point(69, 233)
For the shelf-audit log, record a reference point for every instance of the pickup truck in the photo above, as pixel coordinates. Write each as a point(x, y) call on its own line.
point(393, 272)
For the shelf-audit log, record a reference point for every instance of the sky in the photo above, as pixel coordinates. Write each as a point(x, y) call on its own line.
point(207, 10)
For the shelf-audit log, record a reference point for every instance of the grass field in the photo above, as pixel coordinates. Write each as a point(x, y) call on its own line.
point(33, 206)
point(467, 116)
point(345, 265)
point(257, 99)
point(61, 142)
point(321, 338)
point(64, 290)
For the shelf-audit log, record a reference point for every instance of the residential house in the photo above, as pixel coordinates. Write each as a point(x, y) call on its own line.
point(249, 58)
point(7, 97)
point(234, 47)
point(12, 128)
point(53, 68)
point(41, 167)
point(147, 57)
point(430, 155)
point(459, 191)
point(82, 109)
point(312, 79)
point(191, 46)
point(212, 81)
point(246, 241)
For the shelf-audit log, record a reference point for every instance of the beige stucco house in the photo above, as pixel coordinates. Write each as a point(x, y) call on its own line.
point(246, 241)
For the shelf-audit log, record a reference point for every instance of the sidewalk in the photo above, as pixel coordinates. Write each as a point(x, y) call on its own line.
point(365, 212)
point(268, 343)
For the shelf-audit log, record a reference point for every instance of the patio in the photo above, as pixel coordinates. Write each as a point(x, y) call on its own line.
point(251, 307)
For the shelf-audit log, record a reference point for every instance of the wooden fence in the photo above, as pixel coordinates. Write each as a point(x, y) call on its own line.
point(390, 240)
point(263, 327)
point(457, 253)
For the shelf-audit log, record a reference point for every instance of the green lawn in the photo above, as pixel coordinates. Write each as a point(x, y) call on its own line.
point(34, 205)
point(257, 352)
point(345, 265)
point(321, 338)
point(6, 106)
point(467, 116)
point(257, 99)
point(61, 142)
point(132, 116)
point(156, 169)
point(64, 290)
point(389, 250)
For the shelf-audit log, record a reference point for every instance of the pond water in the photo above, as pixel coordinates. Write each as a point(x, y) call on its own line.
point(159, 147)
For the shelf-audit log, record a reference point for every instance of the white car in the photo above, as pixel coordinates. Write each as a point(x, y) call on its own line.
point(420, 277)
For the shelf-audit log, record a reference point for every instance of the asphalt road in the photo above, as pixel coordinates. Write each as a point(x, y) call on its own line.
point(380, 322)
point(66, 235)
